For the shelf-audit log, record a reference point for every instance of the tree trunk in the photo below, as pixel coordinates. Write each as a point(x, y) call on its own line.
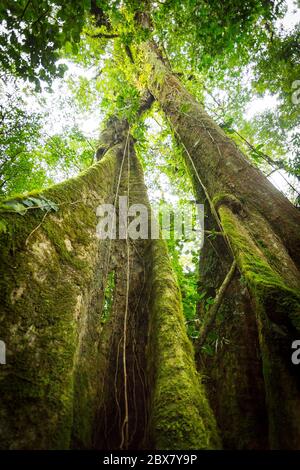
point(164, 405)
point(230, 358)
point(51, 295)
point(262, 231)
point(97, 352)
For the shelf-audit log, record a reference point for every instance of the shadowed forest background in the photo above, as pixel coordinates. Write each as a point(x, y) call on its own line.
point(149, 344)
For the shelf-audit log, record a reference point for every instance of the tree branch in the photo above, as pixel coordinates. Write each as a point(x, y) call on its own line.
point(146, 103)
point(129, 53)
point(100, 16)
point(104, 35)
point(24, 11)
point(213, 232)
point(40, 17)
point(211, 315)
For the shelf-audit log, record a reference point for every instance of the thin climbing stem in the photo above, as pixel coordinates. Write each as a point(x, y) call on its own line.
point(106, 267)
point(125, 425)
point(37, 227)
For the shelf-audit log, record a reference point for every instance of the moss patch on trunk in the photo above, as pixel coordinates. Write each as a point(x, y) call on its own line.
point(50, 271)
point(181, 417)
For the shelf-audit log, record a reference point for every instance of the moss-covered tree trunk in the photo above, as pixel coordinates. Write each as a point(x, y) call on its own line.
point(97, 352)
point(51, 301)
point(230, 357)
point(163, 404)
point(262, 229)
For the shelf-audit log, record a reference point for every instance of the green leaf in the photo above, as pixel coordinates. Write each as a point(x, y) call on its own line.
point(16, 207)
point(28, 202)
point(44, 204)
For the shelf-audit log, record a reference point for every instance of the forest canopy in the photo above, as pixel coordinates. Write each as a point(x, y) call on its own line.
point(233, 56)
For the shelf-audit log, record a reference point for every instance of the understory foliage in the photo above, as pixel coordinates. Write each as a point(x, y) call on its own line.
point(34, 154)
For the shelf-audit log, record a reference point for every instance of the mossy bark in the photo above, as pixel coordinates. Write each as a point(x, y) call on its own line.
point(51, 284)
point(262, 228)
point(181, 417)
point(67, 357)
point(168, 408)
point(231, 357)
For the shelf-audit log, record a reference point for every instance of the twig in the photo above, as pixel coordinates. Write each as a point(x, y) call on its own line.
point(24, 11)
point(129, 53)
point(104, 35)
point(271, 172)
point(213, 232)
point(40, 17)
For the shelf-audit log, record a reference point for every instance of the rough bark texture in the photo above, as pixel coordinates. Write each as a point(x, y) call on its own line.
point(262, 228)
point(168, 408)
point(80, 374)
point(180, 417)
point(51, 290)
point(233, 368)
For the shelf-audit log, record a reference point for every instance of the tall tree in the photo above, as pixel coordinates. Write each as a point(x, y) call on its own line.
point(249, 269)
point(261, 228)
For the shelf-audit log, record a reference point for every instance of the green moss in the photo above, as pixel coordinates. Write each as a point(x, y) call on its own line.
point(41, 279)
point(20, 196)
point(264, 280)
point(229, 199)
point(278, 317)
point(181, 416)
point(2, 226)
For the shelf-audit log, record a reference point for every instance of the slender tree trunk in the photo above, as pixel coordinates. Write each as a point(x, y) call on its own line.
point(262, 231)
